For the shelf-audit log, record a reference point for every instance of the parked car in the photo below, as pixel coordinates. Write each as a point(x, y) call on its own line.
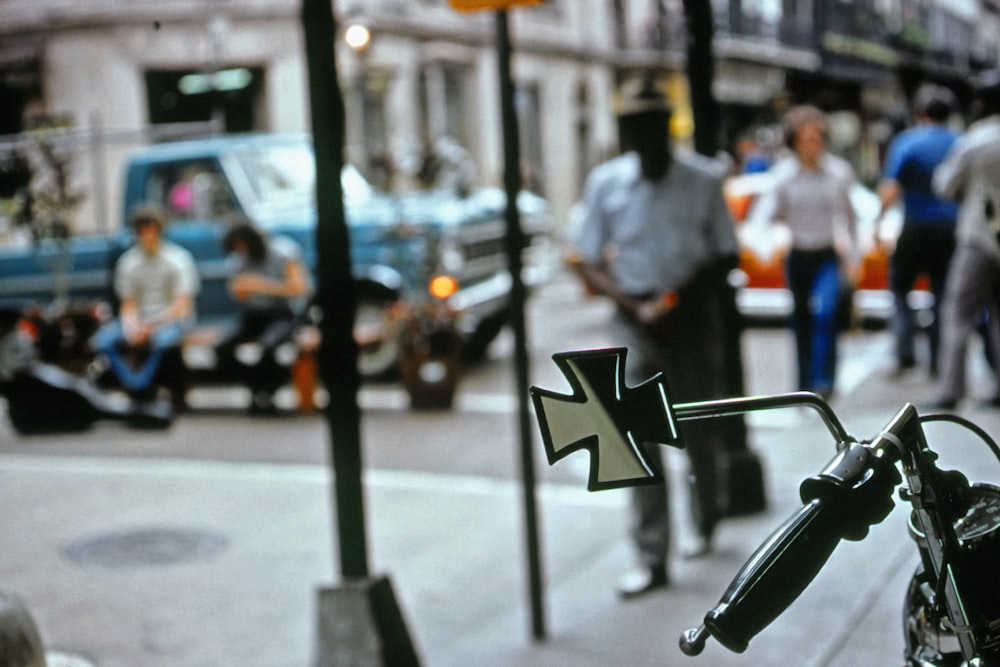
point(763, 292)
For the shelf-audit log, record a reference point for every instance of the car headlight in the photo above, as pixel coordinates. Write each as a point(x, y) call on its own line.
point(442, 286)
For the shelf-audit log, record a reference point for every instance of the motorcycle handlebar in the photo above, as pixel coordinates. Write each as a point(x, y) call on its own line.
point(851, 494)
point(771, 580)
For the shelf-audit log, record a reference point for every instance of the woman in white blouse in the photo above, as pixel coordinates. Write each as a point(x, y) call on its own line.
point(812, 197)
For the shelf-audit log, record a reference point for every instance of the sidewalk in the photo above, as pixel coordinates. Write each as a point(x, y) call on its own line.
point(159, 563)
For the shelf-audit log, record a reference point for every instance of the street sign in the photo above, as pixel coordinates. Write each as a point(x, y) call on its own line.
point(476, 5)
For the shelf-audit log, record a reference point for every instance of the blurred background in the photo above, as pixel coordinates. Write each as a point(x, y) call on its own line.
point(417, 73)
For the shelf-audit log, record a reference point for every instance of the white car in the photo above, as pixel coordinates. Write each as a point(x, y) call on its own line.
point(763, 247)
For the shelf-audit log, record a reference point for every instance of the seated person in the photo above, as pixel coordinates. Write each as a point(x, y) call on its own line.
point(156, 282)
point(272, 285)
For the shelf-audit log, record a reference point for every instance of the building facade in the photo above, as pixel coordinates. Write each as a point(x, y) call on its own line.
point(416, 72)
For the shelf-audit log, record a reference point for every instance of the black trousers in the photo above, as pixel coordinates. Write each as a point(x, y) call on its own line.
point(921, 249)
point(269, 329)
point(686, 347)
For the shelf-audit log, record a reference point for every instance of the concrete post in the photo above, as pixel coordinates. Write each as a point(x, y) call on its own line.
point(360, 625)
point(20, 642)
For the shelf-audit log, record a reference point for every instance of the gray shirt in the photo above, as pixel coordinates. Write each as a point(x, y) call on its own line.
point(655, 236)
point(280, 252)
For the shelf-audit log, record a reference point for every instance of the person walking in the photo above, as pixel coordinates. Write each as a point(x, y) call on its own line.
point(272, 285)
point(811, 195)
point(156, 282)
point(927, 239)
point(654, 231)
point(970, 175)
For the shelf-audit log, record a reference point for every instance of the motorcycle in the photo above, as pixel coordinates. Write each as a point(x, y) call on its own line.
point(951, 611)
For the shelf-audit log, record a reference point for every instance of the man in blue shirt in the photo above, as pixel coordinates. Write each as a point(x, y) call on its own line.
point(927, 240)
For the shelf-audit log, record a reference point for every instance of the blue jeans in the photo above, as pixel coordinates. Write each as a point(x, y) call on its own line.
point(814, 280)
point(110, 341)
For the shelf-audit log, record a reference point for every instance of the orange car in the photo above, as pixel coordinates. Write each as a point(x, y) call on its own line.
point(763, 247)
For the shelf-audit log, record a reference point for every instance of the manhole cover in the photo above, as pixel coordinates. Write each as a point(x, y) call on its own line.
point(147, 547)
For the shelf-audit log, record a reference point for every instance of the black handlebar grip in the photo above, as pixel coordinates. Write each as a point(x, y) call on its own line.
point(773, 578)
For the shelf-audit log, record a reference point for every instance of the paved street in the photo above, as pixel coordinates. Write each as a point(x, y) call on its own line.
point(205, 545)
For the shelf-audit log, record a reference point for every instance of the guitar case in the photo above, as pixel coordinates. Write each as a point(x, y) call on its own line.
point(43, 398)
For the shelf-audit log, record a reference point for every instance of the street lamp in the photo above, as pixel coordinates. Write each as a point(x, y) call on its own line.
point(358, 37)
point(360, 622)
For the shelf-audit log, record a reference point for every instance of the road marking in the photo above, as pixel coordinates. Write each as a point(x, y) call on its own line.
point(868, 355)
point(281, 473)
point(394, 398)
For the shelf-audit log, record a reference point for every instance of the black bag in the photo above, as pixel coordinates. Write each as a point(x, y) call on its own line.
point(46, 399)
point(743, 476)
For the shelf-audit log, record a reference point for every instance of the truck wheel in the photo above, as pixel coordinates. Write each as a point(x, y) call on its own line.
point(377, 330)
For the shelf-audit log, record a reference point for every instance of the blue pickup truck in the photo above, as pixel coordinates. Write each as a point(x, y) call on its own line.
point(399, 242)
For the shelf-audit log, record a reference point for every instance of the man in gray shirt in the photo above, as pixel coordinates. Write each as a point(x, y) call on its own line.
point(271, 283)
point(970, 174)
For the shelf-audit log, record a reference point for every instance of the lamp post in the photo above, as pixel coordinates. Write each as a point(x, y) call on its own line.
point(358, 37)
point(359, 620)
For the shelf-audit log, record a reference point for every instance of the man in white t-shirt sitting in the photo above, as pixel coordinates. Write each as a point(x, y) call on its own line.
point(156, 282)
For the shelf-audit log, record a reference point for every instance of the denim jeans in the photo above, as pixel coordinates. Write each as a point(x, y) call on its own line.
point(110, 341)
point(815, 282)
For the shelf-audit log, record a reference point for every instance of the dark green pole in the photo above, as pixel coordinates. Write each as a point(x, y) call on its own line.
point(335, 294)
point(701, 73)
point(515, 242)
point(705, 109)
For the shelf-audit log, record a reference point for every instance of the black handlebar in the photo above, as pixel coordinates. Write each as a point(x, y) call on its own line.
point(775, 576)
point(851, 494)
point(770, 581)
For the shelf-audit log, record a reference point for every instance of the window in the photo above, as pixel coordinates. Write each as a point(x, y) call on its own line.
point(443, 102)
point(189, 190)
point(229, 94)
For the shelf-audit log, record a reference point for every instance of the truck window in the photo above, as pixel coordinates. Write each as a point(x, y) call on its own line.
point(190, 190)
point(279, 174)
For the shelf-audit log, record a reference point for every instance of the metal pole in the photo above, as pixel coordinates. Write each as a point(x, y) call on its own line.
point(701, 72)
point(335, 294)
point(515, 242)
point(100, 184)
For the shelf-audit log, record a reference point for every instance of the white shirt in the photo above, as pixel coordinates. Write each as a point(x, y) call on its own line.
point(814, 203)
point(154, 281)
